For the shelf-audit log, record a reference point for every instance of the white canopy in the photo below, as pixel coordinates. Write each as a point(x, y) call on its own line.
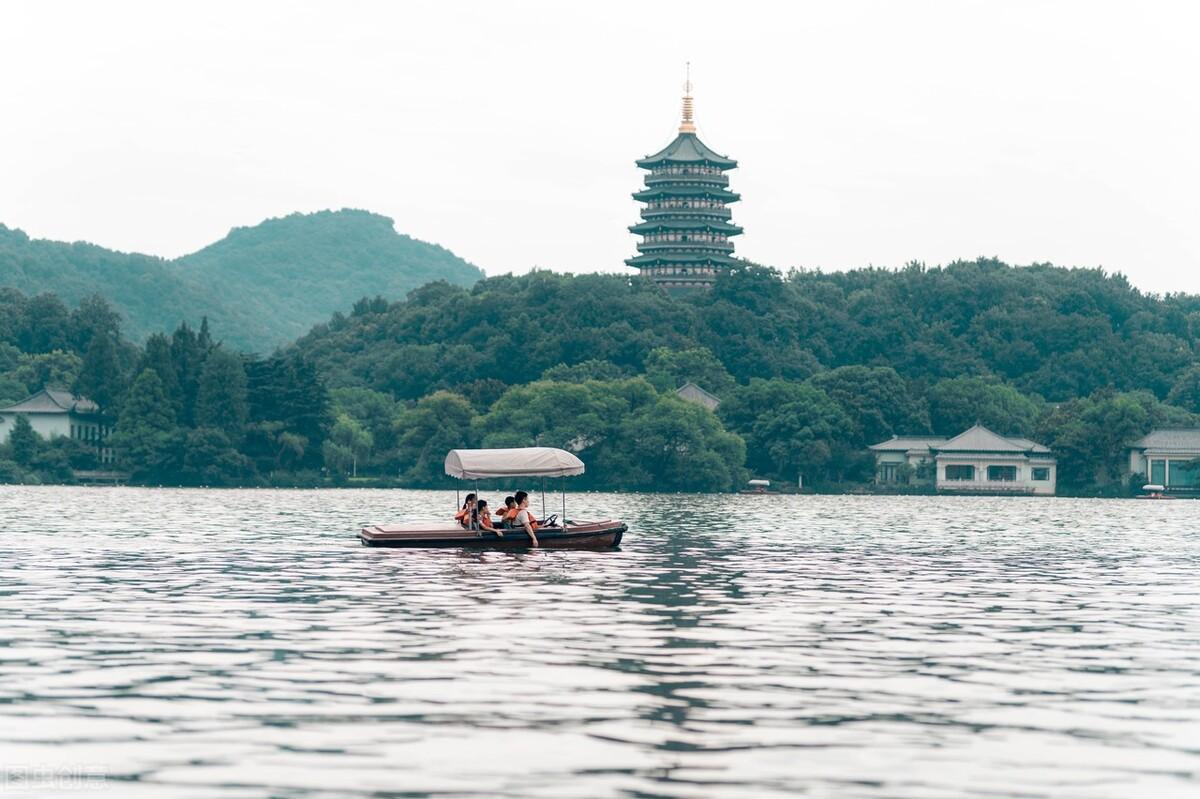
point(762, 483)
point(474, 464)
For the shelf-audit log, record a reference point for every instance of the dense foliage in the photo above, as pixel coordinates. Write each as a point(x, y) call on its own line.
point(261, 286)
point(811, 368)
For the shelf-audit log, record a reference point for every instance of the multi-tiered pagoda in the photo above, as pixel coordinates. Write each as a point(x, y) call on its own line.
point(685, 229)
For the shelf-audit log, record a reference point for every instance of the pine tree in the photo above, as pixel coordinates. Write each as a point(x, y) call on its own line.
point(23, 441)
point(100, 378)
point(188, 358)
point(146, 428)
point(158, 358)
point(221, 394)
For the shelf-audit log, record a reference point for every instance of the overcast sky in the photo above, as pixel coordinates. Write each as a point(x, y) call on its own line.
point(867, 132)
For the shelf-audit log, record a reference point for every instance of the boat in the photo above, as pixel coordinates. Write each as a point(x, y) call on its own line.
point(758, 487)
point(1154, 491)
point(554, 531)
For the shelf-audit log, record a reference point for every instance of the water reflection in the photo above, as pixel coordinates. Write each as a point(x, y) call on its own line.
point(202, 643)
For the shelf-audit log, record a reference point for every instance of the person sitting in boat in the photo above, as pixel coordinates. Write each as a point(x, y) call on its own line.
point(525, 517)
point(467, 511)
point(510, 512)
point(484, 517)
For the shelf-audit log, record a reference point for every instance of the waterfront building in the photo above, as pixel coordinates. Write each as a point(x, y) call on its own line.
point(54, 412)
point(1169, 458)
point(976, 461)
point(687, 235)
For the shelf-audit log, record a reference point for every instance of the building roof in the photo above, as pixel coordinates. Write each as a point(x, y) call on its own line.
point(690, 392)
point(53, 400)
point(714, 192)
point(682, 256)
point(979, 439)
point(685, 224)
point(1170, 440)
point(906, 443)
point(976, 439)
point(687, 148)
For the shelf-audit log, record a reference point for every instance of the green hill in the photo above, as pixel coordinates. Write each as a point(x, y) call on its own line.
point(260, 286)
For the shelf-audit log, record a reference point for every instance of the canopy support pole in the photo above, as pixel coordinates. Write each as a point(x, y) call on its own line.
point(563, 485)
point(543, 497)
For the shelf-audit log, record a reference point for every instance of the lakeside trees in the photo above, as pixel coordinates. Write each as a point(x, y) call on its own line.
point(811, 368)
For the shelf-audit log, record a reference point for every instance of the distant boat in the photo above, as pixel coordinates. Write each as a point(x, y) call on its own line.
point(1154, 491)
point(553, 531)
point(758, 487)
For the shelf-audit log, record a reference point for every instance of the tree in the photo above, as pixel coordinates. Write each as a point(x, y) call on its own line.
point(56, 369)
point(790, 428)
point(210, 459)
point(668, 369)
point(671, 445)
point(1185, 393)
point(100, 378)
point(349, 442)
point(427, 431)
point(958, 403)
point(221, 394)
point(876, 400)
point(157, 357)
point(24, 443)
point(145, 430)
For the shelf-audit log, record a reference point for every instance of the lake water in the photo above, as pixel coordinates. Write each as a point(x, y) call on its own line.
point(199, 643)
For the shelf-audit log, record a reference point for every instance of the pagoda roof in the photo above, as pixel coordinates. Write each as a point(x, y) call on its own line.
point(687, 191)
point(677, 257)
point(686, 224)
point(687, 149)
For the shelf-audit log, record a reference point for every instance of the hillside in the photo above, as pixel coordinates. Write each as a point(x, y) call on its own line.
point(1057, 333)
point(260, 286)
point(297, 270)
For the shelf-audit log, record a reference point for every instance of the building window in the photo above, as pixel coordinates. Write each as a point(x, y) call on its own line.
point(1183, 474)
point(1040, 474)
point(1003, 474)
point(960, 472)
point(888, 472)
point(1158, 472)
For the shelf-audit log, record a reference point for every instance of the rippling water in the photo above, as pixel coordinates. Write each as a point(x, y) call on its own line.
point(241, 643)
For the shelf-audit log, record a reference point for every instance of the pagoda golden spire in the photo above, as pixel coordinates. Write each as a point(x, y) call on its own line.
point(688, 125)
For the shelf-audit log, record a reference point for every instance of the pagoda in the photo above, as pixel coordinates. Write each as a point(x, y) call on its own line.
point(685, 228)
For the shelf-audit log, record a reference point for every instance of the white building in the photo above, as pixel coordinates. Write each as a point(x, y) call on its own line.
point(1169, 458)
point(975, 461)
point(53, 413)
point(905, 460)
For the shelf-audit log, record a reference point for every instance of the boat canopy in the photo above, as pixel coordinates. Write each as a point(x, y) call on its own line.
point(759, 483)
point(475, 464)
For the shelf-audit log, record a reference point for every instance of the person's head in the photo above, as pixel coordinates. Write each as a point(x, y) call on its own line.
point(510, 502)
point(470, 498)
point(482, 506)
point(521, 497)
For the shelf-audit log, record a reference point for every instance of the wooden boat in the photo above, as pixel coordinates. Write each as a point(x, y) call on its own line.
point(758, 487)
point(577, 535)
point(553, 532)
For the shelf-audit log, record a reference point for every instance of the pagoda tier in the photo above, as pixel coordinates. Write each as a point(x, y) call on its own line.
point(686, 236)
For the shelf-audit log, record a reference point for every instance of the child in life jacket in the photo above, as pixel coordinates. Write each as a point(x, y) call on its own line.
point(509, 516)
point(465, 513)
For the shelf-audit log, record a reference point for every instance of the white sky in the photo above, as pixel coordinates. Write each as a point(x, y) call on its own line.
point(868, 132)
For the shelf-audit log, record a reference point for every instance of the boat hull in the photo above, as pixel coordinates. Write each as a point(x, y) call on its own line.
point(587, 535)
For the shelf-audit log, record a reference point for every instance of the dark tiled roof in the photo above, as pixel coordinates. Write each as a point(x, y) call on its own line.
point(53, 400)
point(905, 443)
point(1180, 439)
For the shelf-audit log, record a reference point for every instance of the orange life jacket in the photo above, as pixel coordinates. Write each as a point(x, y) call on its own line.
point(510, 514)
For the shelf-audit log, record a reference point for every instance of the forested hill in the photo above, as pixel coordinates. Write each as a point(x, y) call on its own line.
point(260, 286)
point(297, 270)
point(1052, 332)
